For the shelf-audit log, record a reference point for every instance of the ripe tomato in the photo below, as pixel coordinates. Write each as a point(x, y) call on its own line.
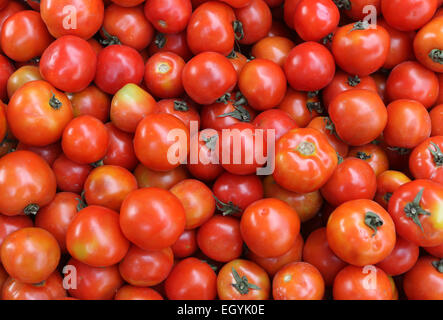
point(304, 160)
point(361, 232)
point(118, 65)
point(93, 283)
point(49, 153)
point(30, 255)
point(256, 21)
point(356, 9)
point(24, 36)
point(362, 283)
point(317, 252)
point(163, 75)
point(69, 64)
point(373, 155)
point(436, 115)
point(408, 125)
point(58, 215)
point(20, 77)
point(70, 176)
point(410, 80)
point(108, 186)
point(87, 227)
point(424, 281)
point(89, 17)
point(85, 140)
point(323, 14)
point(234, 193)
point(238, 60)
point(27, 183)
point(274, 264)
point(397, 13)
point(426, 160)
point(427, 45)
point(275, 49)
point(360, 49)
point(359, 116)
point(128, 292)
point(219, 116)
point(416, 208)
point(302, 107)
point(436, 251)
point(146, 268)
point(10, 9)
point(269, 227)
point(175, 43)
point(39, 108)
point(325, 125)
point(6, 70)
point(274, 119)
point(243, 280)
point(402, 258)
point(298, 281)
point(170, 16)
point(91, 101)
point(309, 67)
point(127, 26)
point(208, 77)
point(152, 218)
point(120, 149)
point(10, 224)
point(191, 279)
point(164, 180)
point(289, 9)
point(186, 244)
point(387, 183)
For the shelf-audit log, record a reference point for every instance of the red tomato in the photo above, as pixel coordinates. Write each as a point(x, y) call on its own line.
point(186, 244)
point(277, 120)
point(325, 125)
point(436, 251)
point(134, 293)
point(30, 255)
point(238, 60)
point(164, 180)
point(309, 67)
point(89, 17)
point(20, 77)
point(397, 13)
point(49, 153)
point(427, 45)
point(128, 3)
point(10, 224)
point(120, 149)
point(146, 268)
point(402, 258)
point(219, 116)
point(6, 70)
point(361, 232)
point(27, 183)
point(387, 183)
point(275, 49)
point(175, 43)
point(70, 176)
point(424, 281)
point(87, 227)
point(426, 160)
point(289, 9)
point(302, 107)
point(91, 101)
point(374, 155)
point(191, 279)
point(436, 115)
point(170, 16)
point(69, 64)
point(356, 9)
point(85, 140)
point(152, 218)
point(256, 21)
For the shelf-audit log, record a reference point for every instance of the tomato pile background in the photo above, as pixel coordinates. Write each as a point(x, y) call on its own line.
point(92, 208)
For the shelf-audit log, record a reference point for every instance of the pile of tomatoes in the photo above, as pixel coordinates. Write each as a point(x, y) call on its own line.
point(349, 92)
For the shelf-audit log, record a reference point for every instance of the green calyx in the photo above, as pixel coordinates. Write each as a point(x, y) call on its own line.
point(232, 55)
point(437, 154)
point(210, 142)
point(180, 105)
point(387, 196)
point(360, 25)
point(438, 264)
point(109, 39)
point(436, 55)
point(160, 40)
point(81, 202)
point(354, 81)
point(373, 221)
point(240, 113)
point(413, 209)
point(343, 4)
point(238, 30)
point(327, 39)
point(242, 284)
point(226, 208)
point(98, 163)
point(31, 209)
point(363, 155)
point(55, 103)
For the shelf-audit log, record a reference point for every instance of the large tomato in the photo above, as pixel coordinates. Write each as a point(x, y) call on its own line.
point(426, 160)
point(255, 19)
point(91, 101)
point(428, 45)
point(397, 13)
point(402, 258)
point(70, 176)
point(425, 280)
point(170, 16)
point(275, 49)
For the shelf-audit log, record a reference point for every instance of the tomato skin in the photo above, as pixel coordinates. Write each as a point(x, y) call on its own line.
point(317, 252)
point(323, 124)
point(238, 60)
point(274, 119)
point(108, 186)
point(357, 12)
point(300, 106)
point(436, 251)
point(424, 281)
point(49, 153)
point(11, 8)
point(289, 9)
point(309, 67)
point(402, 258)
point(245, 268)
point(395, 13)
point(208, 76)
point(275, 49)
point(351, 283)
point(94, 283)
point(211, 115)
point(25, 178)
point(164, 180)
point(387, 183)
point(163, 75)
point(30, 255)
point(6, 70)
point(86, 228)
point(20, 77)
point(269, 227)
point(408, 125)
point(374, 155)
point(85, 140)
point(220, 238)
point(27, 28)
point(323, 14)
point(256, 19)
point(427, 39)
point(58, 215)
point(10, 224)
point(118, 65)
point(186, 244)
point(152, 218)
point(33, 108)
point(361, 51)
point(237, 3)
point(145, 268)
point(436, 115)
point(70, 176)
point(91, 101)
point(353, 239)
point(128, 292)
point(52, 289)
point(129, 25)
point(410, 80)
point(263, 84)
point(298, 281)
point(426, 165)
point(175, 43)
point(69, 64)
point(307, 168)
point(191, 279)
point(170, 16)
point(90, 15)
point(359, 116)
point(432, 234)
